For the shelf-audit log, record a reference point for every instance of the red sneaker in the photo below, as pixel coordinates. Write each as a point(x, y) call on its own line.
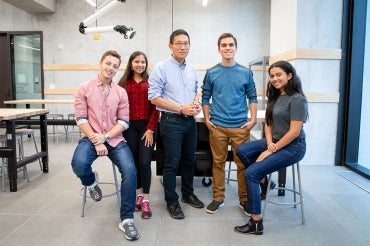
point(146, 211)
point(139, 202)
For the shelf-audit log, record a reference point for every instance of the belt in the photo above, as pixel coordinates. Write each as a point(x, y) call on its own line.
point(177, 115)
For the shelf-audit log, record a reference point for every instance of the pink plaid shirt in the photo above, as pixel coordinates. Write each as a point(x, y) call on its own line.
point(102, 110)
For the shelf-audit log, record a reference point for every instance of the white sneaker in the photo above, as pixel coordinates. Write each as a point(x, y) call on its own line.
point(129, 229)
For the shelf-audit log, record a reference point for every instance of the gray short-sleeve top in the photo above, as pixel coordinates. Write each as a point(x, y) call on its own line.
point(287, 108)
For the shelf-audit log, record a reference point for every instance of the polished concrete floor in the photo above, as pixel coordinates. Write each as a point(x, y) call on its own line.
point(46, 211)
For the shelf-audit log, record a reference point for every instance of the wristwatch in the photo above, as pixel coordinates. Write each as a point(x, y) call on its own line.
point(107, 138)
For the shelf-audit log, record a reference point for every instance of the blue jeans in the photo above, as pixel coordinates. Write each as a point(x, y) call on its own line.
point(179, 135)
point(255, 171)
point(85, 155)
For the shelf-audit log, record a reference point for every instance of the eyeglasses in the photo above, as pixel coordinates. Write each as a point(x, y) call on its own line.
point(180, 44)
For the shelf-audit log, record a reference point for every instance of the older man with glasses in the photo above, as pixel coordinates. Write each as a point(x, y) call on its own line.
point(173, 86)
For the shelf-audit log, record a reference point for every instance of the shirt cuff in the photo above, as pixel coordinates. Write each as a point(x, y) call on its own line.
point(81, 121)
point(124, 124)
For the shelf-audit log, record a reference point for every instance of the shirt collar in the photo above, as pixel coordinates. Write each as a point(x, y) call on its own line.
point(178, 63)
point(100, 83)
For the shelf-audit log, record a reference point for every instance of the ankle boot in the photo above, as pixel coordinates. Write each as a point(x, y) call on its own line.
point(252, 227)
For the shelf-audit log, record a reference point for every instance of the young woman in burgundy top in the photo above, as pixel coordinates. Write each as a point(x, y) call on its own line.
point(143, 122)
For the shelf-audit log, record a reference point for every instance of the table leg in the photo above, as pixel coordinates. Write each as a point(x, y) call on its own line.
point(44, 143)
point(12, 157)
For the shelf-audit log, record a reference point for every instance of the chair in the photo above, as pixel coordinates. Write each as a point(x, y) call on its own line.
point(116, 192)
point(54, 117)
point(29, 132)
point(295, 191)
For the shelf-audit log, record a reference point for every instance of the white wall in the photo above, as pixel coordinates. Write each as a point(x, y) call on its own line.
point(283, 22)
point(299, 24)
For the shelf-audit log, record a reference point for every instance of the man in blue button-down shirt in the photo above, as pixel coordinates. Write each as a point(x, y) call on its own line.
point(173, 88)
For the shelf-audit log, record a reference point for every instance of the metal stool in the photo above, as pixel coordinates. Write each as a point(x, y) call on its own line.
point(230, 159)
point(29, 132)
point(72, 117)
point(4, 164)
point(294, 190)
point(54, 117)
point(117, 192)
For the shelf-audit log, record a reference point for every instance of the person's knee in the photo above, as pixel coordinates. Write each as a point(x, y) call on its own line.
point(239, 151)
point(127, 167)
point(249, 175)
point(78, 165)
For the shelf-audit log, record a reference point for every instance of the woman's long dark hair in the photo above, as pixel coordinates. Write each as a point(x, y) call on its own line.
point(129, 72)
point(293, 86)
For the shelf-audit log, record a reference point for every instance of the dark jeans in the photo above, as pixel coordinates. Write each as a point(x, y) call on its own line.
point(179, 135)
point(248, 154)
point(142, 154)
point(85, 155)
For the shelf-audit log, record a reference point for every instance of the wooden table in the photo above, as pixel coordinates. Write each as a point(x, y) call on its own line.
point(9, 116)
point(28, 102)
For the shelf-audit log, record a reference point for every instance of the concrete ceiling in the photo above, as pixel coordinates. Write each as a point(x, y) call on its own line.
point(34, 6)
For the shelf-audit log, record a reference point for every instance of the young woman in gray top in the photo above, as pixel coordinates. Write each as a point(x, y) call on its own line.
point(284, 143)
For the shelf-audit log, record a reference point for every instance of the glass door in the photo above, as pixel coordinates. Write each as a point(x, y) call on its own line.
point(26, 64)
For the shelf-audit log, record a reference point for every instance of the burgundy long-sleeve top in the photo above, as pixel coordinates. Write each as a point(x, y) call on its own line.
point(140, 107)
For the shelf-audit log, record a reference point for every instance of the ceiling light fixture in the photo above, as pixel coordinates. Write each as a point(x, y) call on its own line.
point(205, 2)
point(127, 32)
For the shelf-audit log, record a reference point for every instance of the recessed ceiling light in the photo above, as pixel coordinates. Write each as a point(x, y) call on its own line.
point(92, 3)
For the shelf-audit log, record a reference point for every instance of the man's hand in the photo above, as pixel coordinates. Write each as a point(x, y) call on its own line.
point(209, 123)
point(101, 149)
point(97, 138)
point(249, 125)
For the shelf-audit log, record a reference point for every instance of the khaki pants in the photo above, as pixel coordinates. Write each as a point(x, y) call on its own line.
point(220, 138)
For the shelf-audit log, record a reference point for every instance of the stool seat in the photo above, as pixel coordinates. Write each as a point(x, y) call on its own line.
point(296, 191)
point(116, 192)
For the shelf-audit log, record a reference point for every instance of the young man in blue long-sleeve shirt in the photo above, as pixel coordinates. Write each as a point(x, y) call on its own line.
point(226, 86)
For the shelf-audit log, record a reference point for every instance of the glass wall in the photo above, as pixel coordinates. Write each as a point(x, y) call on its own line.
point(364, 153)
point(357, 133)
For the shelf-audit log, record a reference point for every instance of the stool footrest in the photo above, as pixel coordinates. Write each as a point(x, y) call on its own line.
point(296, 190)
point(103, 183)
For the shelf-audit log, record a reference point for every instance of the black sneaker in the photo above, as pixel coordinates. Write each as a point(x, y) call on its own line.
point(95, 193)
point(193, 201)
point(175, 211)
point(244, 207)
point(214, 206)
